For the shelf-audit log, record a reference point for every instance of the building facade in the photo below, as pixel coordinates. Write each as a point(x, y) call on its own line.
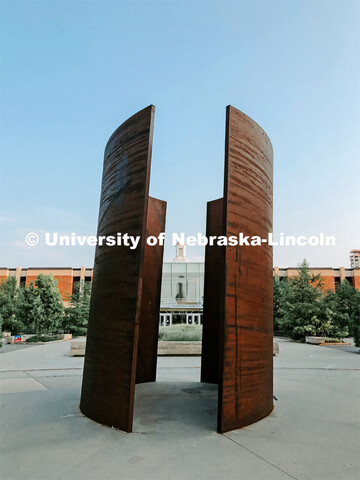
point(182, 291)
point(182, 284)
point(355, 258)
point(68, 278)
point(332, 277)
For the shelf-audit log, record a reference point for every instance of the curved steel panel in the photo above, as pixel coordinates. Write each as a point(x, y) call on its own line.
point(111, 351)
point(150, 299)
point(213, 283)
point(246, 363)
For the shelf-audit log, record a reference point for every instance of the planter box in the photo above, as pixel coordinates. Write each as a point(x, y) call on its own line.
point(77, 348)
point(315, 340)
point(12, 339)
point(66, 336)
point(26, 336)
point(179, 348)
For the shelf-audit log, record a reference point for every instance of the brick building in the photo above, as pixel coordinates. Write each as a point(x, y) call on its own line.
point(68, 278)
point(182, 283)
point(332, 277)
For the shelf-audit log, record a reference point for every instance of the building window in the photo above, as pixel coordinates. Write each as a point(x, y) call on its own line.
point(180, 291)
point(178, 318)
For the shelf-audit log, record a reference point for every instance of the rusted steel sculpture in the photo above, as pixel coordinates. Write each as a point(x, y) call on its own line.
point(150, 298)
point(237, 336)
point(122, 336)
point(212, 313)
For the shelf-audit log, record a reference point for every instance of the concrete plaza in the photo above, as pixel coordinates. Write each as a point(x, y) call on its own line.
point(313, 432)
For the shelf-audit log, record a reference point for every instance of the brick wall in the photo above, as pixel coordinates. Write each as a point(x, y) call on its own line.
point(329, 283)
point(64, 278)
point(4, 274)
point(357, 278)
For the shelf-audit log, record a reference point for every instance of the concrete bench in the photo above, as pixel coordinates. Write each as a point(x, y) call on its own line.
point(66, 336)
point(179, 348)
point(77, 348)
point(315, 340)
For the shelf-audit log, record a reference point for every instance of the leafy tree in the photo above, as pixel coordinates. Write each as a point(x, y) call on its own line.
point(344, 303)
point(41, 308)
point(280, 292)
point(28, 310)
point(355, 321)
point(1, 335)
point(76, 316)
point(8, 302)
point(304, 310)
point(51, 302)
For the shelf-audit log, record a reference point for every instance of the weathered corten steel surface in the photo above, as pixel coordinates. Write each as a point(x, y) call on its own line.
point(111, 349)
point(150, 299)
point(246, 364)
point(213, 286)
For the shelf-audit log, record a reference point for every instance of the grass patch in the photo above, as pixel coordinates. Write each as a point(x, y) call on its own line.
point(43, 338)
point(181, 333)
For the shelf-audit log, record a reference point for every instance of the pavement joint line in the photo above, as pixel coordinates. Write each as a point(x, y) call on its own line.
point(167, 368)
point(259, 456)
point(37, 380)
point(67, 368)
point(40, 369)
point(54, 376)
point(315, 368)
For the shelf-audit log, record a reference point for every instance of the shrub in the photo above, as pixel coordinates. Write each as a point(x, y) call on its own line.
point(43, 338)
point(181, 333)
point(333, 340)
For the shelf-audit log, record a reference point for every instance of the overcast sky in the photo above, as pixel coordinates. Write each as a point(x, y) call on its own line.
point(75, 70)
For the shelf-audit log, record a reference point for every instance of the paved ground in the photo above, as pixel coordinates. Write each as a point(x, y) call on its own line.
point(15, 347)
point(343, 348)
point(313, 432)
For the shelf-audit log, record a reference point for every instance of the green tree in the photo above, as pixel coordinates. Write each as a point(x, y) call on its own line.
point(344, 303)
point(355, 321)
point(8, 302)
point(1, 335)
point(76, 316)
point(280, 292)
point(41, 308)
point(28, 309)
point(304, 310)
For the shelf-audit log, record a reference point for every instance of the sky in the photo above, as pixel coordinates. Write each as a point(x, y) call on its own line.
point(73, 71)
